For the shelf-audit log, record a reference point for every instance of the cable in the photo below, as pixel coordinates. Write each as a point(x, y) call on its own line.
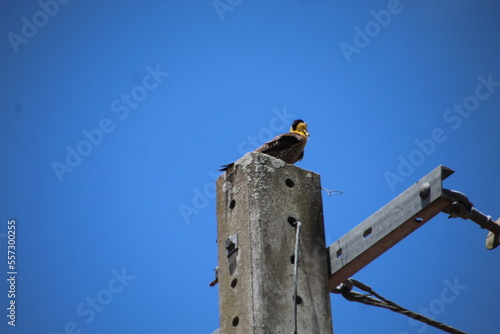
point(346, 291)
point(295, 273)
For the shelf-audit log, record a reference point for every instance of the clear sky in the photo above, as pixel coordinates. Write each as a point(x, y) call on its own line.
point(116, 115)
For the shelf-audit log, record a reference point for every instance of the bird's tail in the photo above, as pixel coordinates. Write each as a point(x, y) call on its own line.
point(226, 167)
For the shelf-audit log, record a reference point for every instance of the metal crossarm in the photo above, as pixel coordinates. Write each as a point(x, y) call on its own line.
point(399, 218)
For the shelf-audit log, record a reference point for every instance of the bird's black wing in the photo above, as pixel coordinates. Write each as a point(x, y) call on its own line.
point(279, 143)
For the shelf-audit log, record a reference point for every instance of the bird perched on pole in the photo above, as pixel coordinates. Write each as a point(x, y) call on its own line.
point(288, 147)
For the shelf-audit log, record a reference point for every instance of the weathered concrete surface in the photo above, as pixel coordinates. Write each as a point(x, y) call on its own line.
point(256, 200)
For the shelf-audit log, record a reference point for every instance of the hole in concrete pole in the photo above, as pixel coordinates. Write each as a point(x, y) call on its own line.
point(236, 320)
point(232, 204)
point(299, 300)
point(234, 282)
point(339, 253)
point(290, 183)
point(292, 259)
point(419, 220)
point(367, 232)
point(292, 221)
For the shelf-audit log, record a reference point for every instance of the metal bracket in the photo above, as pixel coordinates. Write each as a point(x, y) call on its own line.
point(231, 244)
point(461, 207)
point(216, 279)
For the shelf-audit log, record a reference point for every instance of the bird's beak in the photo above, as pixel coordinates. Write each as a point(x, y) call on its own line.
point(307, 134)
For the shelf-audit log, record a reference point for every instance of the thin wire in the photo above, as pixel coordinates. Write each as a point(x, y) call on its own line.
point(384, 303)
point(295, 273)
point(333, 192)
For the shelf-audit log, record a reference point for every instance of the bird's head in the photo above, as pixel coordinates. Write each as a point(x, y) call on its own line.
point(300, 127)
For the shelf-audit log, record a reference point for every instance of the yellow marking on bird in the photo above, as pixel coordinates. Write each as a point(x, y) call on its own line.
point(301, 129)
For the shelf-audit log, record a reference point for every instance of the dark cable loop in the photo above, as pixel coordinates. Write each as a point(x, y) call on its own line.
point(345, 290)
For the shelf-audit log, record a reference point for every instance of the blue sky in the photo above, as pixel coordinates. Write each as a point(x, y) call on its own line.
point(115, 117)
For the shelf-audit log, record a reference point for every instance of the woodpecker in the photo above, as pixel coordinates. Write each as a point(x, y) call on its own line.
point(288, 147)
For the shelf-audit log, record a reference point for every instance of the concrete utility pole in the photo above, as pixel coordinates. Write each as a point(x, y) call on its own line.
point(259, 202)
